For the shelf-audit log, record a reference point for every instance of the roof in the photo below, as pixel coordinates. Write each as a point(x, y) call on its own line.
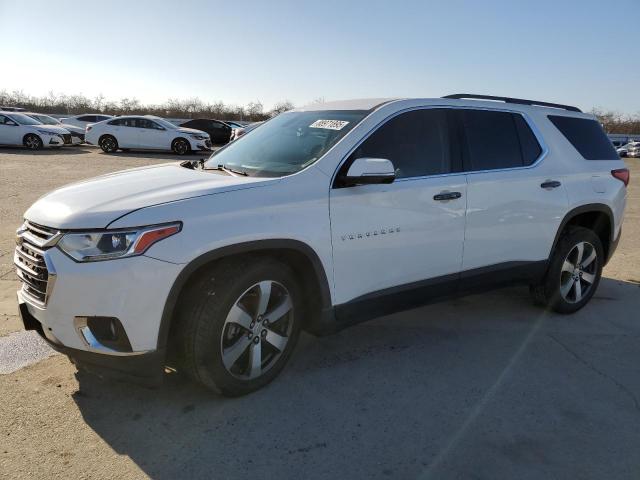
point(355, 104)
point(478, 101)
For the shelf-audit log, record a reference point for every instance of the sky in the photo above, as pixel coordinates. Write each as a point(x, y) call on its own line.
point(583, 53)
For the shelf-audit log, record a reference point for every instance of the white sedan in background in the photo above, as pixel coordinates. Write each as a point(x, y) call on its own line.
point(146, 133)
point(85, 119)
point(20, 129)
point(77, 133)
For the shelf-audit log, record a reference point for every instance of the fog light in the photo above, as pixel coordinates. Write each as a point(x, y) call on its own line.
point(103, 333)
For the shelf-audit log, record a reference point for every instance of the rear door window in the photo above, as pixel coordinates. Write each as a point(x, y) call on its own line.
point(587, 137)
point(492, 140)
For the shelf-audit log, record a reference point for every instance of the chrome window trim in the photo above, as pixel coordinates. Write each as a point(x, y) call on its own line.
point(536, 133)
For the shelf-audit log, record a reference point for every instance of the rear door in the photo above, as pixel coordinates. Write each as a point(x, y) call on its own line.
point(515, 200)
point(126, 132)
point(404, 236)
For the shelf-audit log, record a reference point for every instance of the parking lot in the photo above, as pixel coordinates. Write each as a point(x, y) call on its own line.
point(487, 386)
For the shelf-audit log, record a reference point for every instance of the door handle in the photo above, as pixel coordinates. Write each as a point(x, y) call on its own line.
point(549, 184)
point(444, 196)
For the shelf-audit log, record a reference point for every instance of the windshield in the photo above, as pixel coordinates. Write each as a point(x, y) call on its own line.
point(24, 119)
point(45, 119)
point(286, 144)
point(164, 123)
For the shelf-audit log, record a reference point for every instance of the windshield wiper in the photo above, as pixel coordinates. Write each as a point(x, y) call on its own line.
point(193, 164)
point(232, 172)
point(199, 165)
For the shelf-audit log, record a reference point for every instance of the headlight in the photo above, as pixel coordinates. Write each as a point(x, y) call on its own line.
point(106, 245)
point(199, 136)
point(47, 132)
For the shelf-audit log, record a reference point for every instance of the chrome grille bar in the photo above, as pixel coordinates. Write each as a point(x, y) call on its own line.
point(31, 263)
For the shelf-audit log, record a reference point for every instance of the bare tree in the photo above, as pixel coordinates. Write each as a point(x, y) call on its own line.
point(281, 107)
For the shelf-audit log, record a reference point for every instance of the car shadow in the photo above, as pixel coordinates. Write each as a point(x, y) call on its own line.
point(68, 150)
point(486, 383)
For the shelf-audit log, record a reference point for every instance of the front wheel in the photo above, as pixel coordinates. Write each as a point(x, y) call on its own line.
point(239, 324)
point(574, 272)
point(32, 141)
point(180, 146)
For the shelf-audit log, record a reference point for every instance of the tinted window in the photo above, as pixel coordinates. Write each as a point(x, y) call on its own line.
point(529, 145)
point(100, 118)
point(416, 142)
point(146, 123)
point(87, 118)
point(492, 140)
point(192, 124)
point(125, 122)
point(6, 120)
point(587, 136)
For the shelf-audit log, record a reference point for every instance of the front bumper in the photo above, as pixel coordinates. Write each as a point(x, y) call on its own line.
point(52, 141)
point(200, 145)
point(133, 290)
point(145, 368)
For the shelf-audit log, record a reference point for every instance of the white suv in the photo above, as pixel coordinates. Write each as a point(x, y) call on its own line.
point(147, 133)
point(322, 217)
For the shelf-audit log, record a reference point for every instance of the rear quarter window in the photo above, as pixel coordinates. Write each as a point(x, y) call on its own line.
point(586, 136)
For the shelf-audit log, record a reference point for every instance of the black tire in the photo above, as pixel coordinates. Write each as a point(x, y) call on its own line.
point(202, 330)
point(108, 144)
point(180, 146)
point(32, 141)
point(552, 292)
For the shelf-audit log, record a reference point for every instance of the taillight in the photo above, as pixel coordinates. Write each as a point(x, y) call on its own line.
point(621, 174)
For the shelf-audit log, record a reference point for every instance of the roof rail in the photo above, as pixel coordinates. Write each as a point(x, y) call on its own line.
point(519, 101)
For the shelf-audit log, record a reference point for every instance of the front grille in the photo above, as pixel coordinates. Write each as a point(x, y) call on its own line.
point(67, 138)
point(78, 135)
point(29, 258)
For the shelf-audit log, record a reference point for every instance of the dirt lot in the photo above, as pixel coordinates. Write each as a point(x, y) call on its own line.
point(482, 387)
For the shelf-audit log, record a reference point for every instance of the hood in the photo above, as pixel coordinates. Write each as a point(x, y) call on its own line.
point(96, 202)
point(72, 128)
point(50, 128)
point(191, 130)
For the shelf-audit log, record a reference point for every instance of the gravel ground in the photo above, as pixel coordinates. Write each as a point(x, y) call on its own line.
point(481, 387)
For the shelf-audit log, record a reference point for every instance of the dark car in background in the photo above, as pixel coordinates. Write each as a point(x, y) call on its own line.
point(218, 131)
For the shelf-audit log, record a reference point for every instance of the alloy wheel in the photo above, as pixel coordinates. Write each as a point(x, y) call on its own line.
point(578, 273)
point(181, 147)
point(257, 330)
point(108, 145)
point(32, 142)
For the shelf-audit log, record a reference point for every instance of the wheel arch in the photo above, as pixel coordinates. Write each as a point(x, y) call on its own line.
point(298, 255)
point(24, 137)
point(595, 216)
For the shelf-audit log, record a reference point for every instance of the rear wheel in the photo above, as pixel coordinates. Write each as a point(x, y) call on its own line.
point(108, 144)
point(180, 146)
point(32, 141)
point(239, 324)
point(574, 272)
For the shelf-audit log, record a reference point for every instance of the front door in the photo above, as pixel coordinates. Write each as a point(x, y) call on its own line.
point(401, 241)
point(9, 131)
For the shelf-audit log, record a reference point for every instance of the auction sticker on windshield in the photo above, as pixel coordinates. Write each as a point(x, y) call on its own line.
point(329, 124)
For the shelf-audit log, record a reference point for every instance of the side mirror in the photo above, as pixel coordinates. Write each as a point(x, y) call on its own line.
point(11, 123)
point(368, 171)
